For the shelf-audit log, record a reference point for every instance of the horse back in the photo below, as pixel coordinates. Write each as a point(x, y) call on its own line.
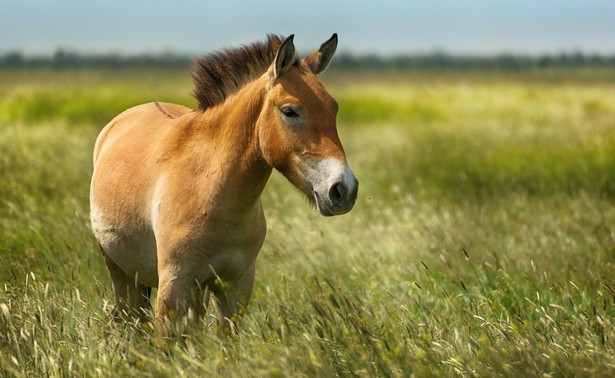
point(139, 124)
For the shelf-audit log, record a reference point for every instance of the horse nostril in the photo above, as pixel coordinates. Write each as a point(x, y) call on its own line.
point(337, 193)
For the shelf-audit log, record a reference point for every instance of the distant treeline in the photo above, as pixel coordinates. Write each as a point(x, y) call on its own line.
point(434, 60)
point(442, 60)
point(67, 59)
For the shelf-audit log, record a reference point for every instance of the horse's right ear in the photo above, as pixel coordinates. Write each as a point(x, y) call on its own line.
point(285, 57)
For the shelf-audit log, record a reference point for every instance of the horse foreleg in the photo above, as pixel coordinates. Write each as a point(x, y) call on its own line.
point(232, 301)
point(178, 299)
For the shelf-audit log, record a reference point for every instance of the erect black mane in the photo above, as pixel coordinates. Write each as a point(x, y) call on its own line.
point(219, 74)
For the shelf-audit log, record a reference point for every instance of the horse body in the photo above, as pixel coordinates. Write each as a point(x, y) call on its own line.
point(175, 195)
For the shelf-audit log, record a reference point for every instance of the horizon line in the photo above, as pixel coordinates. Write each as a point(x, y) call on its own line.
point(346, 53)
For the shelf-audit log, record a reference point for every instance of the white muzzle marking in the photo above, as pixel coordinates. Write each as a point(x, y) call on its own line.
point(334, 185)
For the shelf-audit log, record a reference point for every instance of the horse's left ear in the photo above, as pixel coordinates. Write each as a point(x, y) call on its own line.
point(318, 60)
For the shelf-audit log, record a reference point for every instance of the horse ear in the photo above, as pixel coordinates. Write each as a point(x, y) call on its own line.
point(318, 60)
point(285, 57)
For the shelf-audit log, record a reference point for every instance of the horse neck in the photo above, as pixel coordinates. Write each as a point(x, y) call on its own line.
point(232, 134)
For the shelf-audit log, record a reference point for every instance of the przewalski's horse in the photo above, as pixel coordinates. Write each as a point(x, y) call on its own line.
point(175, 194)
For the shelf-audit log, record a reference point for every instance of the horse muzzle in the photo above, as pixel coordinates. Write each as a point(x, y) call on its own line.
point(337, 194)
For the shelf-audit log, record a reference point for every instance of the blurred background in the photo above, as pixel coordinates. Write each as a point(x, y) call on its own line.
point(483, 240)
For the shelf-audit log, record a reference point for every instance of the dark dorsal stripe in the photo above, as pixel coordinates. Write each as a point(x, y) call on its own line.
point(162, 110)
point(219, 74)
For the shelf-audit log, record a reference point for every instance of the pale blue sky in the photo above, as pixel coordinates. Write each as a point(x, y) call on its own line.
point(382, 26)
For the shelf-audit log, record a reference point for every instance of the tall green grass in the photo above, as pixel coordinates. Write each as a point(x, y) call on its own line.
point(85, 97)
point(483, 242)
point(490, 138)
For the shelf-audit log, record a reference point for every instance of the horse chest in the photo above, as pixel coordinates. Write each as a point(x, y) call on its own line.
point(230, 264)
point(204, 238)
point(230, 250)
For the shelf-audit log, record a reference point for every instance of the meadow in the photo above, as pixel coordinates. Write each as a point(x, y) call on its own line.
point(482, 243)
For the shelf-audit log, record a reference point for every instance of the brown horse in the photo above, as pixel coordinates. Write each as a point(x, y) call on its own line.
point(175, 194)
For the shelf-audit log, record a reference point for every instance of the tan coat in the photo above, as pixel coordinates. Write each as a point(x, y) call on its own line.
point(175, 194)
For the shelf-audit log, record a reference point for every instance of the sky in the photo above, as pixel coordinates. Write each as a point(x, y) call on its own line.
point(386, 27)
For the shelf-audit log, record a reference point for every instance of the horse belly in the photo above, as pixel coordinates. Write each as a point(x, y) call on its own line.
point(133, 251)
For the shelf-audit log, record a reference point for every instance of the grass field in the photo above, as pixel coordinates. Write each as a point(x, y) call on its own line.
point(482, 243)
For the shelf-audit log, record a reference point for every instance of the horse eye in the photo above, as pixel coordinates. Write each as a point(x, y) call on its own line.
point(289, 112)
